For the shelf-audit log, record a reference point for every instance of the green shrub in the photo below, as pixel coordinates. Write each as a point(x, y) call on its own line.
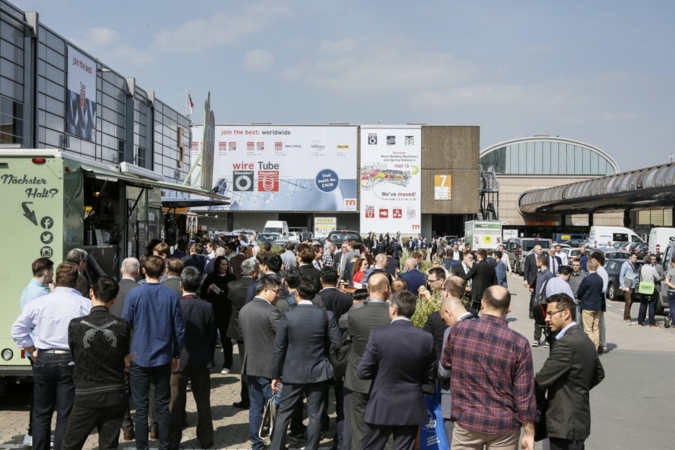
point(426, 306)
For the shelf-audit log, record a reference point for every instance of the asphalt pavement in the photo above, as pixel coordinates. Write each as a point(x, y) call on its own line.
point(631, 408)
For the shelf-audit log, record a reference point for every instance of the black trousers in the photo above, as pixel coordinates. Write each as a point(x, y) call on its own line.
point(107, 420)
point(127, 422)
point(375, 436)
point(201, 391)
point(244, 382)
point(291, 395)
point(222, 316)
point(566, 444)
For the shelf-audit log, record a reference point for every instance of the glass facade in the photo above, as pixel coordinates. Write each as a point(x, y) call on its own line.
point(131, 124)
point(547, 157)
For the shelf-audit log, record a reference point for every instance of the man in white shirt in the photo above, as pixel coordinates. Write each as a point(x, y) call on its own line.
point(560, 254)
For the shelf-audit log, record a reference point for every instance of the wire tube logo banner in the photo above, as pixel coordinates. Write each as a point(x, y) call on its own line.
point(285, 168)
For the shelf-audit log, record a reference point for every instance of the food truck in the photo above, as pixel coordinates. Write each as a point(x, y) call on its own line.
point(54, 201)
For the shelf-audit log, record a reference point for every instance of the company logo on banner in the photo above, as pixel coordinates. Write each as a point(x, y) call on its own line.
point(286, 168)
point(81, 101)
point(390, 179)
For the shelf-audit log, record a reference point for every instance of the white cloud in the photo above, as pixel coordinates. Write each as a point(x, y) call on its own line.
point(107, 43)
point(349, 66)
point(258, 60)
point(220, 29)
point(538, 48)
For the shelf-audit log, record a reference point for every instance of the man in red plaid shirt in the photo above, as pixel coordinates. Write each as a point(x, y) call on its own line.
point(492, 380)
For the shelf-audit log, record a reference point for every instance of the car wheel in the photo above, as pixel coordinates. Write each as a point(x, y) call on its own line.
point(611, 291)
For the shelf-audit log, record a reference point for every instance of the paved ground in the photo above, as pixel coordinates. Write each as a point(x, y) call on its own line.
point(632, 408)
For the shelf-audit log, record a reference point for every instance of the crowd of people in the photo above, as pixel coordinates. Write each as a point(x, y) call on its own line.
point(97, 344)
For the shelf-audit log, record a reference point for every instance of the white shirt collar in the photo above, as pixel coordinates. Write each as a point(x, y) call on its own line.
point(305, 302)
point(564, 330)
point(399, 318)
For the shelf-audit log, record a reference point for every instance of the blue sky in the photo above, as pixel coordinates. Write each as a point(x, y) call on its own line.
point(599, 72)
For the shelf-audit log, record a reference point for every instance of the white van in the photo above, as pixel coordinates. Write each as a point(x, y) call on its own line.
point(659, 238)
point(602, 236)
point(276, 226)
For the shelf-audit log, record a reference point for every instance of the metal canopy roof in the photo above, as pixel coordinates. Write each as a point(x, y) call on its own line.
point(652, 187)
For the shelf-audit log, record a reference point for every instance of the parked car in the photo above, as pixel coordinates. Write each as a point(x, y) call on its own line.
point(572, 253)
point(611, 253)
point(576, 243)
point(518, 248)
point(337, 237)
point(267, 237)
point(284, 241)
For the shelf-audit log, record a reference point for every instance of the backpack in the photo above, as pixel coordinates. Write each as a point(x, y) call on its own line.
point(539, 305)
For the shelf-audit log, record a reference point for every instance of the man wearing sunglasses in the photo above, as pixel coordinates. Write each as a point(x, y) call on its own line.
point(570, 372)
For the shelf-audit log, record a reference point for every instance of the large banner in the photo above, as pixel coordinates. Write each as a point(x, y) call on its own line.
point(81, 101)
point(284, 168)
point(391, 161)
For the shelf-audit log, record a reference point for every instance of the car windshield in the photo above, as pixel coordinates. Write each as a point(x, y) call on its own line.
point(344, 237)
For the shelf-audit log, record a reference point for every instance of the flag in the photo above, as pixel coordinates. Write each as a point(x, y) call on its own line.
point(190, 103)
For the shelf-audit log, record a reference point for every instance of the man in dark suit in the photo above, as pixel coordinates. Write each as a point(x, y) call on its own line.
point(236, 261)
point(130, 271)
point(300, 359)
point(482, 276)
point(413, 278)
point(236, 293)
point(258, 322)
point(306, 267)
point(570, 372)
point(393, 263)
point(530, 270)
point(271, 265)
point(174, 269)
point(196, 361)
point(338, 303)
point(396, 248)
point(554, 261)
point(361, 321)
point(399, 358)
point(380, 248)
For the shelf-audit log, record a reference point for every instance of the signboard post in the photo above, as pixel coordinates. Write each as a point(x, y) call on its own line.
point(390, 177)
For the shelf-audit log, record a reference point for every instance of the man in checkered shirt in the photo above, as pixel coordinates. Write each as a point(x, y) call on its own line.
point(492, 381)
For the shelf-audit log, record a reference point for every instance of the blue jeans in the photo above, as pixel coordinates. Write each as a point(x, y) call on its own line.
point(53, 389)
point(671, 305)
point(259, 391)
point(140, 378)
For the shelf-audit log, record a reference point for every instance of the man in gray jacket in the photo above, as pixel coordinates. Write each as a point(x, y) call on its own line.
point(258, 321)
point(649, 274)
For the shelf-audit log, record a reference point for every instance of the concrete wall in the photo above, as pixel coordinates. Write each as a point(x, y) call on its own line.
point(451, 150)
point(511, 187)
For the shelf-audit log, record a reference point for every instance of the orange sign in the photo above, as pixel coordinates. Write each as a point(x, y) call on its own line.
point(442, 187)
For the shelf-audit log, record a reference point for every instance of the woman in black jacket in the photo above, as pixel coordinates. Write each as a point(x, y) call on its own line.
point(214, 290)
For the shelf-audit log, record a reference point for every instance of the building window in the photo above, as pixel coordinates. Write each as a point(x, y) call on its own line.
point(140, 157)
point(11, 121)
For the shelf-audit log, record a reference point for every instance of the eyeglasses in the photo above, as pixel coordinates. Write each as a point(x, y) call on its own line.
point(553, 313)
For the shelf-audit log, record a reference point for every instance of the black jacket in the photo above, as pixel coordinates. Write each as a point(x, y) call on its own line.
point(98, 344)
point(309, 271)
point(530, 271)
point(436, 327)
point(570, 372)
point(483, 276)
point(336, 301)
point(237, 299)
point(200, 334)
point(221, 303)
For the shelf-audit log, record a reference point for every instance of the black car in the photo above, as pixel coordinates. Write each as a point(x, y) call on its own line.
point(337, 237)
point(613, 268)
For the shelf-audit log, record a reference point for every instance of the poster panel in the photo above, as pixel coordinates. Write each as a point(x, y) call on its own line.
point(284, 168)
point(81, 95)
point(390, 179)
point(442, 187)
point(324, 225)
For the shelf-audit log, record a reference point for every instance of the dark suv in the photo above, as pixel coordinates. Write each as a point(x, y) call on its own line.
point(337, 237)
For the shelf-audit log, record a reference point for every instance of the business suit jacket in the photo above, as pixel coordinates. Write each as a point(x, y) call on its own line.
point(360, 323)
point(459, 270)
point(309, 271)
point(399, 358)
point(483, 276)
point(173, 283)
point(397, 250)
point(392, 265)
point(237, 297)
point(436, 326)
point(300, 348)
point(413, 280)
point(558, 264)
point(235, 264)
point(381, 247)
point(125, 285)
point(570, 372)
point(336, 301)
point(530, 270)
point(83, 285)
point(200, 334)
point(258, 321)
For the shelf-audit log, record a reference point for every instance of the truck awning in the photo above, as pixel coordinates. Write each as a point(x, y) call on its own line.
point(210, 196)
point(102, 172)
point(175, 202)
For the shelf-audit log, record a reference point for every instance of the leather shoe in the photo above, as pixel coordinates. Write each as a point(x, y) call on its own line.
point(129, 436)
point(241, 405)
point(154, 434)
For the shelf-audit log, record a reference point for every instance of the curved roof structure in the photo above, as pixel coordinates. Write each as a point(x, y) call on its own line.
point(650, 187)
point(546, 156)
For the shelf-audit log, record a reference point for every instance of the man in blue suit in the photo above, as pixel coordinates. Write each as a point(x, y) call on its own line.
point(399, 358)
point(413, 278)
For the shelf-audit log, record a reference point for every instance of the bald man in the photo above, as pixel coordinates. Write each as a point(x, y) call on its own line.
point(452, 311)
point(380, 264)
point(413, 278)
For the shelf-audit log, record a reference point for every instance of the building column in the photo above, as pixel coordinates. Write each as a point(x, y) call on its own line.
point(590, 219)
point(626, 218)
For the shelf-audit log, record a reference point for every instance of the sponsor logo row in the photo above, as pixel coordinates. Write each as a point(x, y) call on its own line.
point(390, 213)
point(260, 146)
point(391, 140)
